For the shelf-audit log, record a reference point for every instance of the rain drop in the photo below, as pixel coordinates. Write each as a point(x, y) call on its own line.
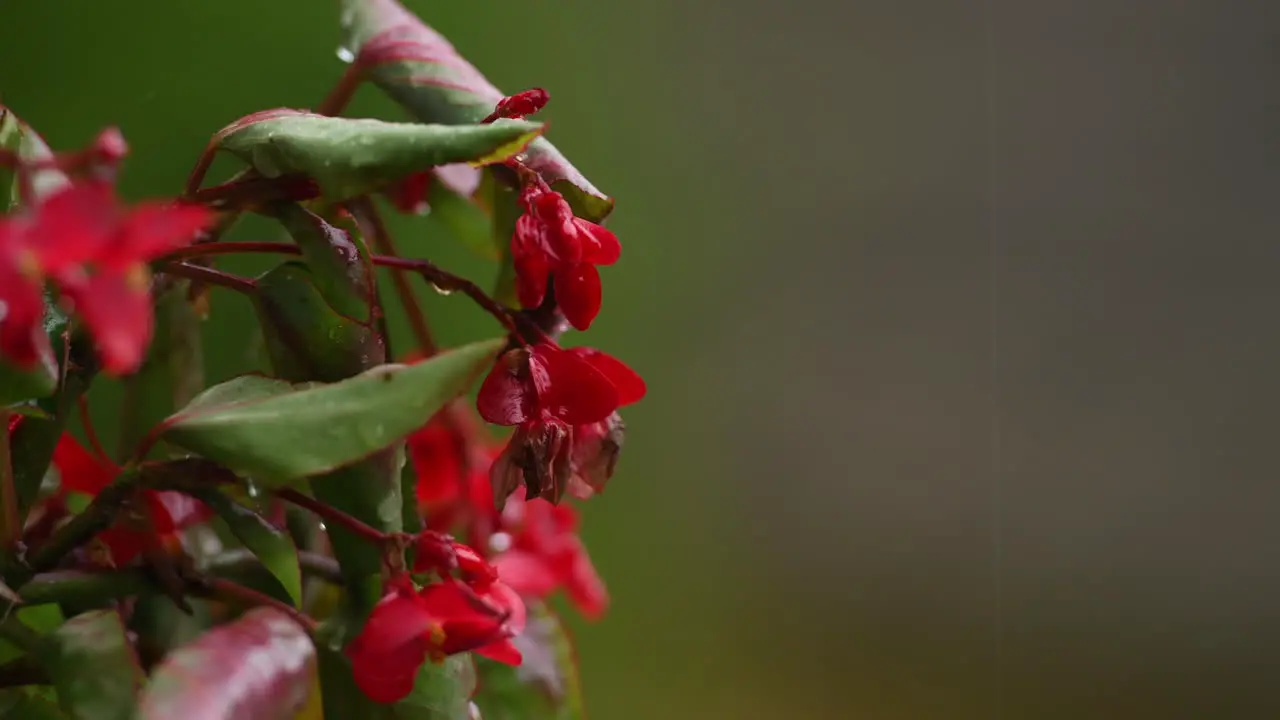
point(442, 291)
point(345, 55)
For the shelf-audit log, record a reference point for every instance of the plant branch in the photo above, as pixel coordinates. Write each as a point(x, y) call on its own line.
point(448, 282)
point(382, 242)
point(230, 248)
point(8, 492)
point(340, 96)
point(235, 562)
point(333, 515)
point(210, 276)
point(227, 591)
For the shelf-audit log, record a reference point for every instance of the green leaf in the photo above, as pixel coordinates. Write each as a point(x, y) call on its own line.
point(440, 692)
point(17, 137)
point(340, 268)
point(272, 546)
point(93, 666)
point(421, 71)
point(306, 338)
point(21, 384)
point(280, 436)
point(464, 220)
point(545, 685)
point(29, 703)
point(352, 157)
point(40, 619)
point(261, 666)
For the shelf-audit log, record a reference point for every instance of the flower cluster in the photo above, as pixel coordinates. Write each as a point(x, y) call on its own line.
point(283, 489)
point(94, 252)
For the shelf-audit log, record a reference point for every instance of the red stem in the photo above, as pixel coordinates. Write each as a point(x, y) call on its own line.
point(82, 404)
point(448, 282)
point(227, 590)
point(8, 493)
point(229, 248)
point(209, 275)
point(334, 516)
point(383, 243)
point(338, 98)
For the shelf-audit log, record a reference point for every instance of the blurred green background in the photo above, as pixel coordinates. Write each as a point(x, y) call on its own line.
point(958, 321)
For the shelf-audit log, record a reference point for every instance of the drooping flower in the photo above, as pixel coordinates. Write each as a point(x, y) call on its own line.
point(95, 251)
point(409, 626)
point(562, 403)
point(156, 518)
point(551, 243)
point(544, 392)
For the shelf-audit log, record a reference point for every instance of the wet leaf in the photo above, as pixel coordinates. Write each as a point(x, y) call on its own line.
point(22, 384)
point(352, 157)
point(93, 666)
point(17, 137)
point(272, 546)
point(423, 72)
point(281, 434)
point(39, 618)
point(545, 685)
point(306, 338)
point(259, 667)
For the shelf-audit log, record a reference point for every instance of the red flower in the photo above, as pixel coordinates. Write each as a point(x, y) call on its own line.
point(519, 105)
point(543, 391)
point(562, 403)
point(156, 523)
point(550, 241)
point(95, 252)
point(546, 554)
point(409, 626)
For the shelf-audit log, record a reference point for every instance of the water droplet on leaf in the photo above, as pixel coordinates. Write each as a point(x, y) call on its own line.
point(345, 55)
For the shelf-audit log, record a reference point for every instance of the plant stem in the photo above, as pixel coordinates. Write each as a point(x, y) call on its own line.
point(230, 248)
point(332, 515)
point(448, 282)
point(232, 592)
point(338, 98)
point(8, 493)
point(210, 276)
point(82, 404)
point(235, 562)
point(382, 242)
point(77, 587)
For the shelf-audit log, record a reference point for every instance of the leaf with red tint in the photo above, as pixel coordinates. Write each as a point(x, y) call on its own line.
point(545, 685)
point(422, 71)
point(93, 666)
point(259, 667)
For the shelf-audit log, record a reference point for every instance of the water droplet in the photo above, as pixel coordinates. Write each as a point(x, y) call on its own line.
point(442, 291)
point(499, 542)
point(345, 55)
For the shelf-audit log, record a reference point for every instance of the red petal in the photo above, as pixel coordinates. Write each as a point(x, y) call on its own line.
point(116, 307)
point(410, 194)
point(172, 511)
point(434, 453)
point(22, 337)
point(78, 470)
point(574, 392)
point(153, 229)
point(386, 675)
point(504, 652)
point(526, 573)
point(599, 245)
point(583, 584)
point(399, 619)
point(507, 396)
point(579, 293)
point(531, 280)
point(74, 224)
point(627, 382)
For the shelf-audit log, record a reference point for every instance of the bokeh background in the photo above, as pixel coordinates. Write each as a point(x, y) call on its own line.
point(958, 320)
